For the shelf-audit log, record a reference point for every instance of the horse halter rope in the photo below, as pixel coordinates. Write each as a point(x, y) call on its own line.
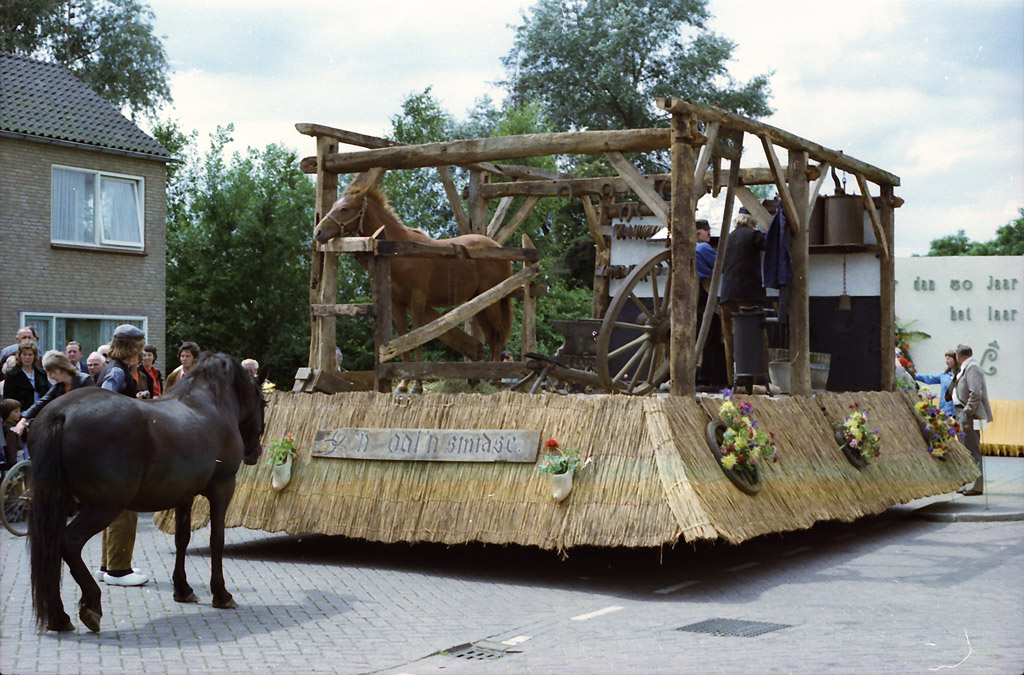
point(343, 223)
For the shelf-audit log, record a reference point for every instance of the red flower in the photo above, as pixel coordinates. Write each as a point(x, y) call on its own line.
point(552, 443)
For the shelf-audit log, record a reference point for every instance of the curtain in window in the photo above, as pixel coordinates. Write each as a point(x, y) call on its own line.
point(71, 206)
point(120, 211)
point(42, 326)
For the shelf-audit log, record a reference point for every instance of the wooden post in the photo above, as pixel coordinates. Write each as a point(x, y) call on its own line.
point(723, 243)
point(528, 340)
point(380, 280)
point(799, 292)
point(887, 289)
point(683, 298)
point(602, 258)
point(323, 272)
point(477, 204)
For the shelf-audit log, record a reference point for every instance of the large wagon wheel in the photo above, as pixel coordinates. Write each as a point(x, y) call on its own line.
point(16, 497)
point(637, 360)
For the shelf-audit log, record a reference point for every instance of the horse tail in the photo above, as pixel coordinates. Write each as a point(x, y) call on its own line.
point(47, 518)
point(497, 323)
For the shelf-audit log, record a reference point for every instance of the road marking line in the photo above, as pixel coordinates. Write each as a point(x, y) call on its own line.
point(744, 566)
point(676, 587)
point(591, 615)
point(512, 642)
point(796, 551)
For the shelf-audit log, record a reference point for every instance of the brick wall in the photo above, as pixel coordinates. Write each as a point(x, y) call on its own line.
point(38, 277)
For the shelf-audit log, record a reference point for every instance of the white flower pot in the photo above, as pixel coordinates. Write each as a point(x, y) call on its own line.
point(561, 485)
point(282, 474)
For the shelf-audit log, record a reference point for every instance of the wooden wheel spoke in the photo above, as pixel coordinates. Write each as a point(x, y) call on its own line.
point(629, 345)
point(663, 308)
point(633, 326)
point(642, 306)
point(654, 288)
point(632, 361)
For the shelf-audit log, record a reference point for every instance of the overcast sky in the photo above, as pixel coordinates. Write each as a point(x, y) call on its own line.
point(930, 91)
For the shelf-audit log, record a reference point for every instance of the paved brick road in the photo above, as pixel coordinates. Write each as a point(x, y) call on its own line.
point(888, 594)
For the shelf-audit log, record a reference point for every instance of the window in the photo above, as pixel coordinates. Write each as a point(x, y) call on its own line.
point(92, 208)
point(89, 330)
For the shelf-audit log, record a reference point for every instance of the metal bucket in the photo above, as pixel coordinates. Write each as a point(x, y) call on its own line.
point(844, 219)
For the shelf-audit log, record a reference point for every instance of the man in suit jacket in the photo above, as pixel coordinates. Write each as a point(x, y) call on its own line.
point(970, 396)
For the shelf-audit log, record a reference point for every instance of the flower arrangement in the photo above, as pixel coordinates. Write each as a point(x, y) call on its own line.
point(857, 436)
point(282, 450)
point(939, 428)
point(567, 459)
point(743, 443)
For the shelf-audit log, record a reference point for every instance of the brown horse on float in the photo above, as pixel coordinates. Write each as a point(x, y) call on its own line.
point(417, 284)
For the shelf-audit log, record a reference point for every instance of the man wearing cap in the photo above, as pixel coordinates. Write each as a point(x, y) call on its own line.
point(741, 279)
point(969, 394)
point(705, 253)
point(712, 369)
point(123, 375)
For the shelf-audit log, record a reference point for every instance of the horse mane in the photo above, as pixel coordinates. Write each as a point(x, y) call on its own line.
point(223, 373)
point(381, 200)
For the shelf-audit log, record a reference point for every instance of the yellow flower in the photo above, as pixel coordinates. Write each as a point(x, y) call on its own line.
point(728, 461)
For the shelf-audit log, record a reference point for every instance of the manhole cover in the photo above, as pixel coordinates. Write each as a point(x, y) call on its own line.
point(733, 627)
point(471, 652)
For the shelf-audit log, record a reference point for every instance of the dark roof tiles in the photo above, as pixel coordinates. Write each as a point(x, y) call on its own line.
point(46, 100)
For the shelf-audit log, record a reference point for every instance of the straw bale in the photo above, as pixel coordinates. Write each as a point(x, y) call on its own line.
point(651, 478)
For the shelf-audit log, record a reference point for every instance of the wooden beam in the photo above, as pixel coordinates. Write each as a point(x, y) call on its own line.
point(528, 334)
point(380, 288)
point(423, 334)
point(349, 245)
point(500, 147)
point(499, 215)
point(456, 338)
point(617, 185)
point(815, 189)
point(454, 199)
point(780, 137)
point(683, 242)
point(354, 309)
point(705, 155)
point(753, 204)
point(876, 223)
point(723, 246)
point(308, 164)
point(593, 223)
point(416, 249)
point(640, 185)
point(457, 370)
point(323, 282)
point(799, 290)
point(502, 235)
point(794, 215)
point(887, 292)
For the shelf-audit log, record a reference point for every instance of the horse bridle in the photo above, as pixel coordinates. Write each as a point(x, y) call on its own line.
point(343, 223)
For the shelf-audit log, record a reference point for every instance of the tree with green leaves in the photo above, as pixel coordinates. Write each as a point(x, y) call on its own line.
point(108, 44)
point(1009, 240)
point(600, 64)
point(238, 242)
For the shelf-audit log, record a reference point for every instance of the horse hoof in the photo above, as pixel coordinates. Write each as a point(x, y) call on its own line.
point(65, 627)
point(230, 604)
point(191, 597)
point(91, 619)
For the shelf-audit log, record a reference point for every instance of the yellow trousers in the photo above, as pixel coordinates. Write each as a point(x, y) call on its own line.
point(119, 542)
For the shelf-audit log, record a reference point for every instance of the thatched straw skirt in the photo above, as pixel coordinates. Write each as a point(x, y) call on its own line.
point(651, 479)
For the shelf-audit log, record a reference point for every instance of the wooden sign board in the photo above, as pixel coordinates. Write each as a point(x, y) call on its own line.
point(429, 445)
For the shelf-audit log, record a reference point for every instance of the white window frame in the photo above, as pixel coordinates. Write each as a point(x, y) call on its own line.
point(53, 316)
point(98, 240)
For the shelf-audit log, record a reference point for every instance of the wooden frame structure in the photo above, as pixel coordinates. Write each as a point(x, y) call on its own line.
point(700, 137)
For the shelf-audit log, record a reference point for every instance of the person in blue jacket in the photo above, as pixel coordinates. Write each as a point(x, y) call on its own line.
point(943, 380)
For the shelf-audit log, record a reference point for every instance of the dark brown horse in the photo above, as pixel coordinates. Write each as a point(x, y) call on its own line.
point(417, 284)
point(112, 453)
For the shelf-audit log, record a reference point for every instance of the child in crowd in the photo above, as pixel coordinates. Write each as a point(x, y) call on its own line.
point(10, 414)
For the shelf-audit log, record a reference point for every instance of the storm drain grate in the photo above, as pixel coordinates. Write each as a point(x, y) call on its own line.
point(471, 652)
point(733, 627)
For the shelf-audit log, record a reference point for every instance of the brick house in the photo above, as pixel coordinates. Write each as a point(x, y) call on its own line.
point(82, 212)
